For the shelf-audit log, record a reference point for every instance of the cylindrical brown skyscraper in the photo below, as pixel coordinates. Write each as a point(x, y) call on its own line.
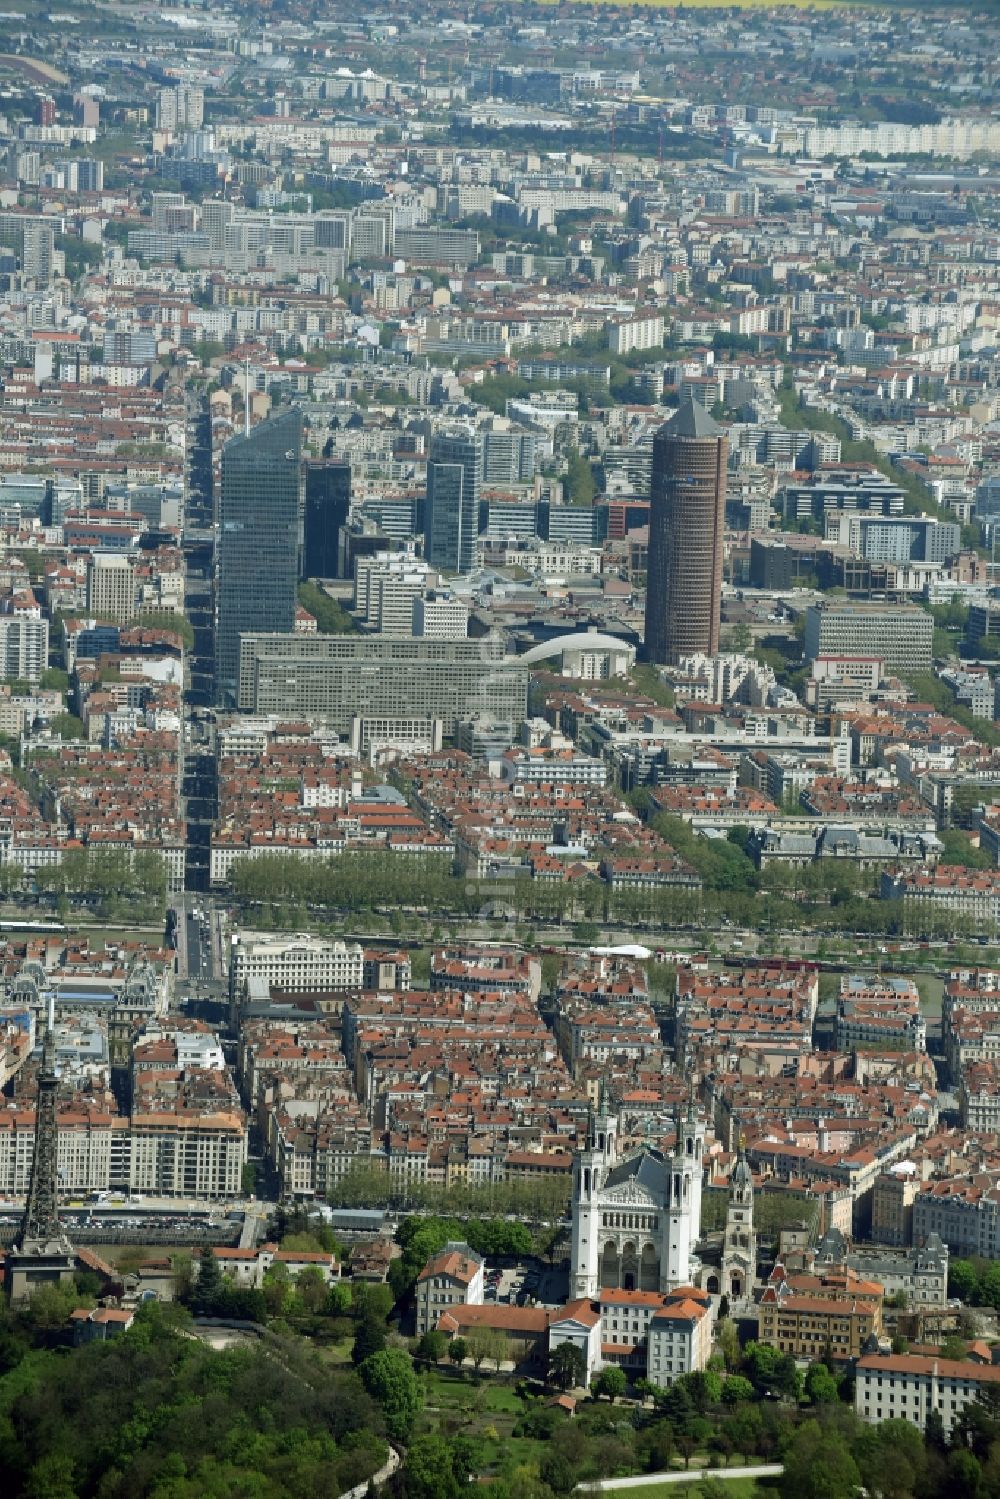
point(687, 510)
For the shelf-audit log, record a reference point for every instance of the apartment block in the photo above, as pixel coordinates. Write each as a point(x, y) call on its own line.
point(24, 646)
point(812, 1317)
point(909, 1387)
point(336, 678)
point(636, 333)
point(300, 964)
point(111, 587)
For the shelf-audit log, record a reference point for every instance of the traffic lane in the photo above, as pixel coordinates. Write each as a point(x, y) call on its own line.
point(194, 948)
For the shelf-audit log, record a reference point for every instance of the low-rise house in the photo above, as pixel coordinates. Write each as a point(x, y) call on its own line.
point(455, 1277)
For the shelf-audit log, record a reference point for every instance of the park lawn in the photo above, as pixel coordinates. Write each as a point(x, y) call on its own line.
point(519, 1451)
point(488, 1396)
point(338, 1352)
point(736, 1488)
point(486, 1410)
point(492, 1433)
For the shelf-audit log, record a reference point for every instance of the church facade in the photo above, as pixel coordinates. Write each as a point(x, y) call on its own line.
point(739, 1246)
point(636, 1220)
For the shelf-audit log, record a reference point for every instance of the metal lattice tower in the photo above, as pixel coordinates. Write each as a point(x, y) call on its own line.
point(40, 1225)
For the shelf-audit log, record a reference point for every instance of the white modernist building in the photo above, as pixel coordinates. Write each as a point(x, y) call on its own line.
point(636, 1221)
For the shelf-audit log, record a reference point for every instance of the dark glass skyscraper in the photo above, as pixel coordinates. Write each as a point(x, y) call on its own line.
point(451, 515)
point(258, 540)
point(687, 513)
point(327, 503)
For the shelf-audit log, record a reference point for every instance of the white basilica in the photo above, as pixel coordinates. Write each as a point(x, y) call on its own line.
point(636, 1221)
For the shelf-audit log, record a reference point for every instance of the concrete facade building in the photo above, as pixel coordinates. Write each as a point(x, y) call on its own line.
point(901, 635)
point(684, 587)
point(385, 589)
point(440, 616)
point(24, 646)
point(636, 333)
point(680, 1338)
point(111, 587)
point(908, 1387)
point(337, 678)
point(900, 538)
point(300, 963)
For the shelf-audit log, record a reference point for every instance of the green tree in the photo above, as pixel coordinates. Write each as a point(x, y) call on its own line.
point(610, 1383)
point(759, 1360)
point(820, 1385)
point(989, 1290)
point(433, 1346)
point(728, 1340)
point(891, 1460)
point(310, 1287)
point(458, 1351)
point(704, 1386)
point(369, 1339)
point(429, 1471)
point(580, 480)
point(736, 1389)
point(567, 1366)
point(745, 1429)
point(738, 638)
point(209, 1287)
point(487, 1344)
point(67, 726)
point(330, 618)
point(785, 1378)
point(963, 1475)
point(52, 1477)
point(558, 1473)
point(155, 1414)
point(818, 1465)
point(277, 1290)
point(338, 1299)
point(963, 1280)
point(390, 1381)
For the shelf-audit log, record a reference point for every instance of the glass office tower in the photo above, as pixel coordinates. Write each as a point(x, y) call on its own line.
point(327, 504)
point(451, 516)
point(257, 569)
